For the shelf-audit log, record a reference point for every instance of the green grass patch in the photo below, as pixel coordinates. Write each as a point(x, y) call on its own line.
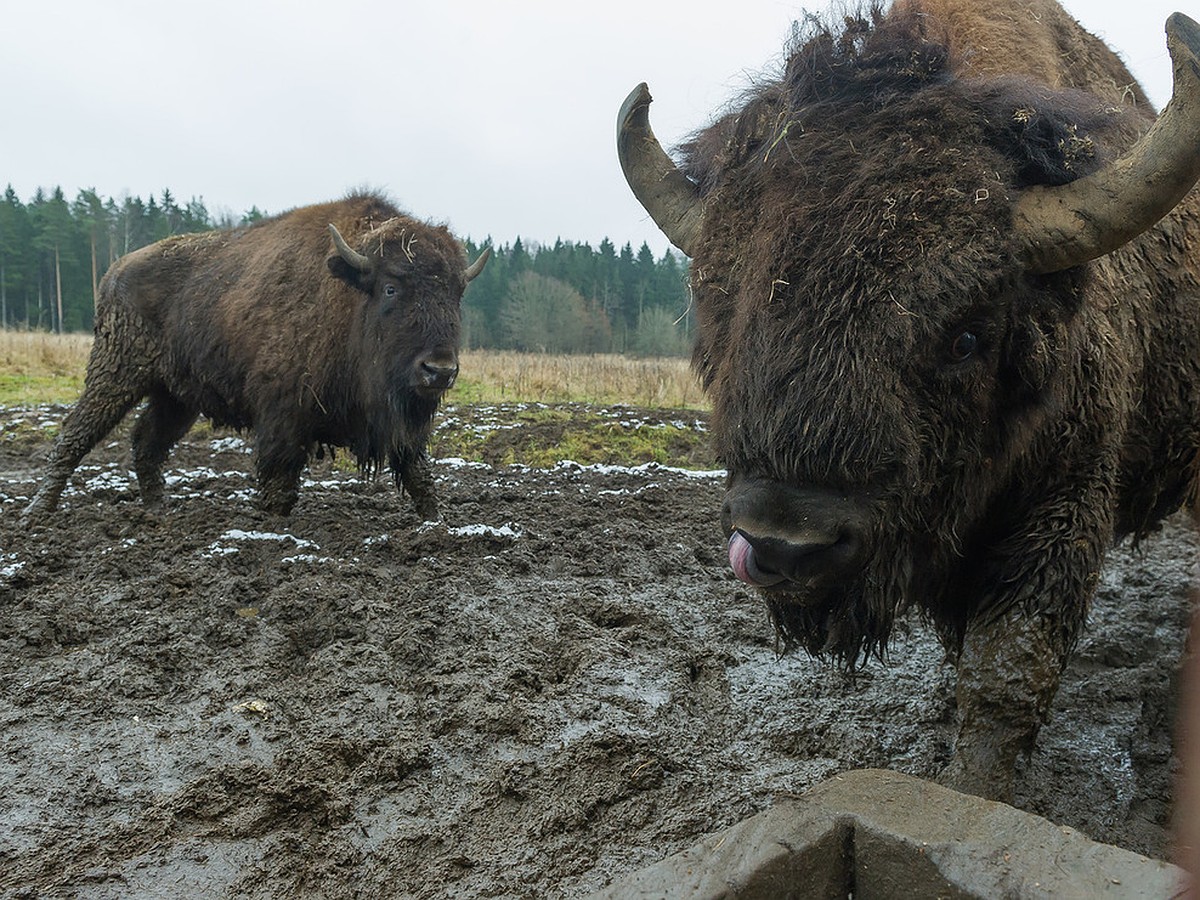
point(612, 444)
point(543, 436)
point(31, 390)
point(467, 390)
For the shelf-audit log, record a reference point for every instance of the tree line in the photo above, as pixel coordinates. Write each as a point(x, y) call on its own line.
point(565, 298)
point(573, 298)
point(53, 251)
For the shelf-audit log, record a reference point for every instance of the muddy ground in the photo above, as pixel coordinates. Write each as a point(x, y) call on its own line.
point(559, 683)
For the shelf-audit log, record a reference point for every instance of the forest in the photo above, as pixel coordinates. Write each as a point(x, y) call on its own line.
point(566, 298)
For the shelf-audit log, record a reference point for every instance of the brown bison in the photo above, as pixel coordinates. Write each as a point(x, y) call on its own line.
point(947, 278)
point(334, 325)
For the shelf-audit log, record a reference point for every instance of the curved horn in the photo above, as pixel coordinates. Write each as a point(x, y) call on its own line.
point(670, 197)
point(476, 267)
point(352, 257)
point(1068, 225)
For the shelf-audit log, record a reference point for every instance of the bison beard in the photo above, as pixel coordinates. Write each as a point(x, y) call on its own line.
point(334, 325)
point(931, 387)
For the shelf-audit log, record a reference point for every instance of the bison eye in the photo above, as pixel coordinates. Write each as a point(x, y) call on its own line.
point(389, 290)
point(964, 346)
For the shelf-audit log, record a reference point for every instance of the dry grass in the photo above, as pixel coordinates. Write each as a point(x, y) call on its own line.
point(36, 367)
point(39, 353)
point(492, 375)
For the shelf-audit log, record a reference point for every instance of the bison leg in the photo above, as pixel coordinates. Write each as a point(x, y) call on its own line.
point(1008, 674)
point(414, 473)
point(164, 421)
point(105, 400)
point(279, 465)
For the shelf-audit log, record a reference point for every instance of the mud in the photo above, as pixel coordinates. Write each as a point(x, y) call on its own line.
point(557, 684)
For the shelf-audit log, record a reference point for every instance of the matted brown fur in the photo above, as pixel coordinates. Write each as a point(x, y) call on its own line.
point(1036, 39)
point(268, 328)
point(858, 223)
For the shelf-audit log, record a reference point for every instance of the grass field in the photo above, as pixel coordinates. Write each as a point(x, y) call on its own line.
point(39, 368)
point(501, 376)
point(36, 367)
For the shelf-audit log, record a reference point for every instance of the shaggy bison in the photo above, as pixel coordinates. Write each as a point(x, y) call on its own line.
point(334, 325)
point(947, 278)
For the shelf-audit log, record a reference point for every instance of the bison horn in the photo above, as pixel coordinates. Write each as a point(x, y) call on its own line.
point(476, 267)
point(352, 257)
point(670, 197)
point(1068, 225)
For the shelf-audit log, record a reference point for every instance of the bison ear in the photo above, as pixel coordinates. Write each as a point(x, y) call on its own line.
point(348, 264)
point(1050, 150)
point(343, 271)
point(353, 258)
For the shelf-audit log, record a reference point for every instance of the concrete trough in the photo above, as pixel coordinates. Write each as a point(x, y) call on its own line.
point(879, 834)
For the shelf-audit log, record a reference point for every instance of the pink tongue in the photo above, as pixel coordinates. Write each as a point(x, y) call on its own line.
point(741, 558)
point(739, 554)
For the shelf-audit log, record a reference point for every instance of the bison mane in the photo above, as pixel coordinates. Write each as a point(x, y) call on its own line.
point(871, 60)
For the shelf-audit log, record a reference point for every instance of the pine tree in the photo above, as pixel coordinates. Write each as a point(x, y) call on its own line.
point(112, 215)
point(155, 221)
point(171, 213)
point(53, 231)
point(89, 210)
point(16, 235)
point(195, 217)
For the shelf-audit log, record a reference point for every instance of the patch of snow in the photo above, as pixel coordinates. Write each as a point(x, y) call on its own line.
point(109, 481)
point(236, 534)
point(457, 462)
point(233, 444)
point(10, 565)
point(645, 469)
point(504, 531)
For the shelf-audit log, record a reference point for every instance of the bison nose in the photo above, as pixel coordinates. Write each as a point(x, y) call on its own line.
point(437, 373)
point(779, 534)
point(768, 561)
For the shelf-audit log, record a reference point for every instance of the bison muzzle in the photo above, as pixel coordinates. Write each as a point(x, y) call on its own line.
point(782, 535)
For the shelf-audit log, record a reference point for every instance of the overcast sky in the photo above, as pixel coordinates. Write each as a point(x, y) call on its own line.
point(496, 118)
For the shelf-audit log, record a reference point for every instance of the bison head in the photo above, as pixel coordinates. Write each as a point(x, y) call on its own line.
point(892, 311)
point(414, 277)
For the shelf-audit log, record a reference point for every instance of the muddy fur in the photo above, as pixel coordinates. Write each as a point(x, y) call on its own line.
point(268, 328)
point(857, 223)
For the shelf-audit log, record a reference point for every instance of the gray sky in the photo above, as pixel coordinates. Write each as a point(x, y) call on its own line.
point(496, 118)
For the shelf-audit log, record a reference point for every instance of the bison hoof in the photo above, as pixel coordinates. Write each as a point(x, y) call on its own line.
point(154, 502)
point(276, 506)
point(37, 510)
point(426, 504)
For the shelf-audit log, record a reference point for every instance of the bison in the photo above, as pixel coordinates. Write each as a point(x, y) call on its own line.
point(334, 325)
point(946, 272)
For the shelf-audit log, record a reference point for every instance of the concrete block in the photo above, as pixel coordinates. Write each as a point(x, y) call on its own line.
point(879, 834)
